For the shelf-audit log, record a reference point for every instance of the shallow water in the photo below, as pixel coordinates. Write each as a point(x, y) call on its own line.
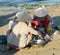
point(33, 2)
point(30, 2)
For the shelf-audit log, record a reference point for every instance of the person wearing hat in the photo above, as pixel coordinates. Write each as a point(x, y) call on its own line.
point(20, 35)
point(42, 19)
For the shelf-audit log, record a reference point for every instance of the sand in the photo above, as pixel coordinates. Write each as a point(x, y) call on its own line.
point(50, 48)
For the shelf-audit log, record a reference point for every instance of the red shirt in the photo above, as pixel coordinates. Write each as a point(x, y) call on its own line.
point(35, 24)
point(44, 22)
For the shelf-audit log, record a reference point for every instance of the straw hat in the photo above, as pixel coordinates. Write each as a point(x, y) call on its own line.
point(23, 16)
point(41, 12)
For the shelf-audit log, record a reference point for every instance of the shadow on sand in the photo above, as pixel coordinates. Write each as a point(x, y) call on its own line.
point(5, 19)
point(4, 50)
point(56, 20)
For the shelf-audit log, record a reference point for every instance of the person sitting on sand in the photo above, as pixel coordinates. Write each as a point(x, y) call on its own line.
point(42, 20)
point(20, 35)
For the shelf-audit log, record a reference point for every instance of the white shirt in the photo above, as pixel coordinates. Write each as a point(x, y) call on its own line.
point(19, 34)
point(10, 24)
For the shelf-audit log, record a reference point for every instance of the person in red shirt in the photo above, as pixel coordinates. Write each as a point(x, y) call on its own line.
point(41, 19)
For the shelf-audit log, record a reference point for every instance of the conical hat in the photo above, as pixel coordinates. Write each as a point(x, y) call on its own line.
point(23, 16)
point(41, 12)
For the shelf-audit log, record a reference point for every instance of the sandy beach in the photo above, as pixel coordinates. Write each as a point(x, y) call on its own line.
point(50, 48)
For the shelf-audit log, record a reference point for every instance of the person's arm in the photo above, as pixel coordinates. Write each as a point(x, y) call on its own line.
point(31, 30)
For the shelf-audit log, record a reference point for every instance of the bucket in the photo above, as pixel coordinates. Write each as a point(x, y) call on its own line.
point(37, 41)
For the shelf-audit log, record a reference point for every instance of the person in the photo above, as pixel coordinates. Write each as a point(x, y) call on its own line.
point(21, 34)
point(14, 20)
point(41, 20)
point(10, 23)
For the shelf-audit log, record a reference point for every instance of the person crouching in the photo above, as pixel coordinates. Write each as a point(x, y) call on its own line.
point(41, 20)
